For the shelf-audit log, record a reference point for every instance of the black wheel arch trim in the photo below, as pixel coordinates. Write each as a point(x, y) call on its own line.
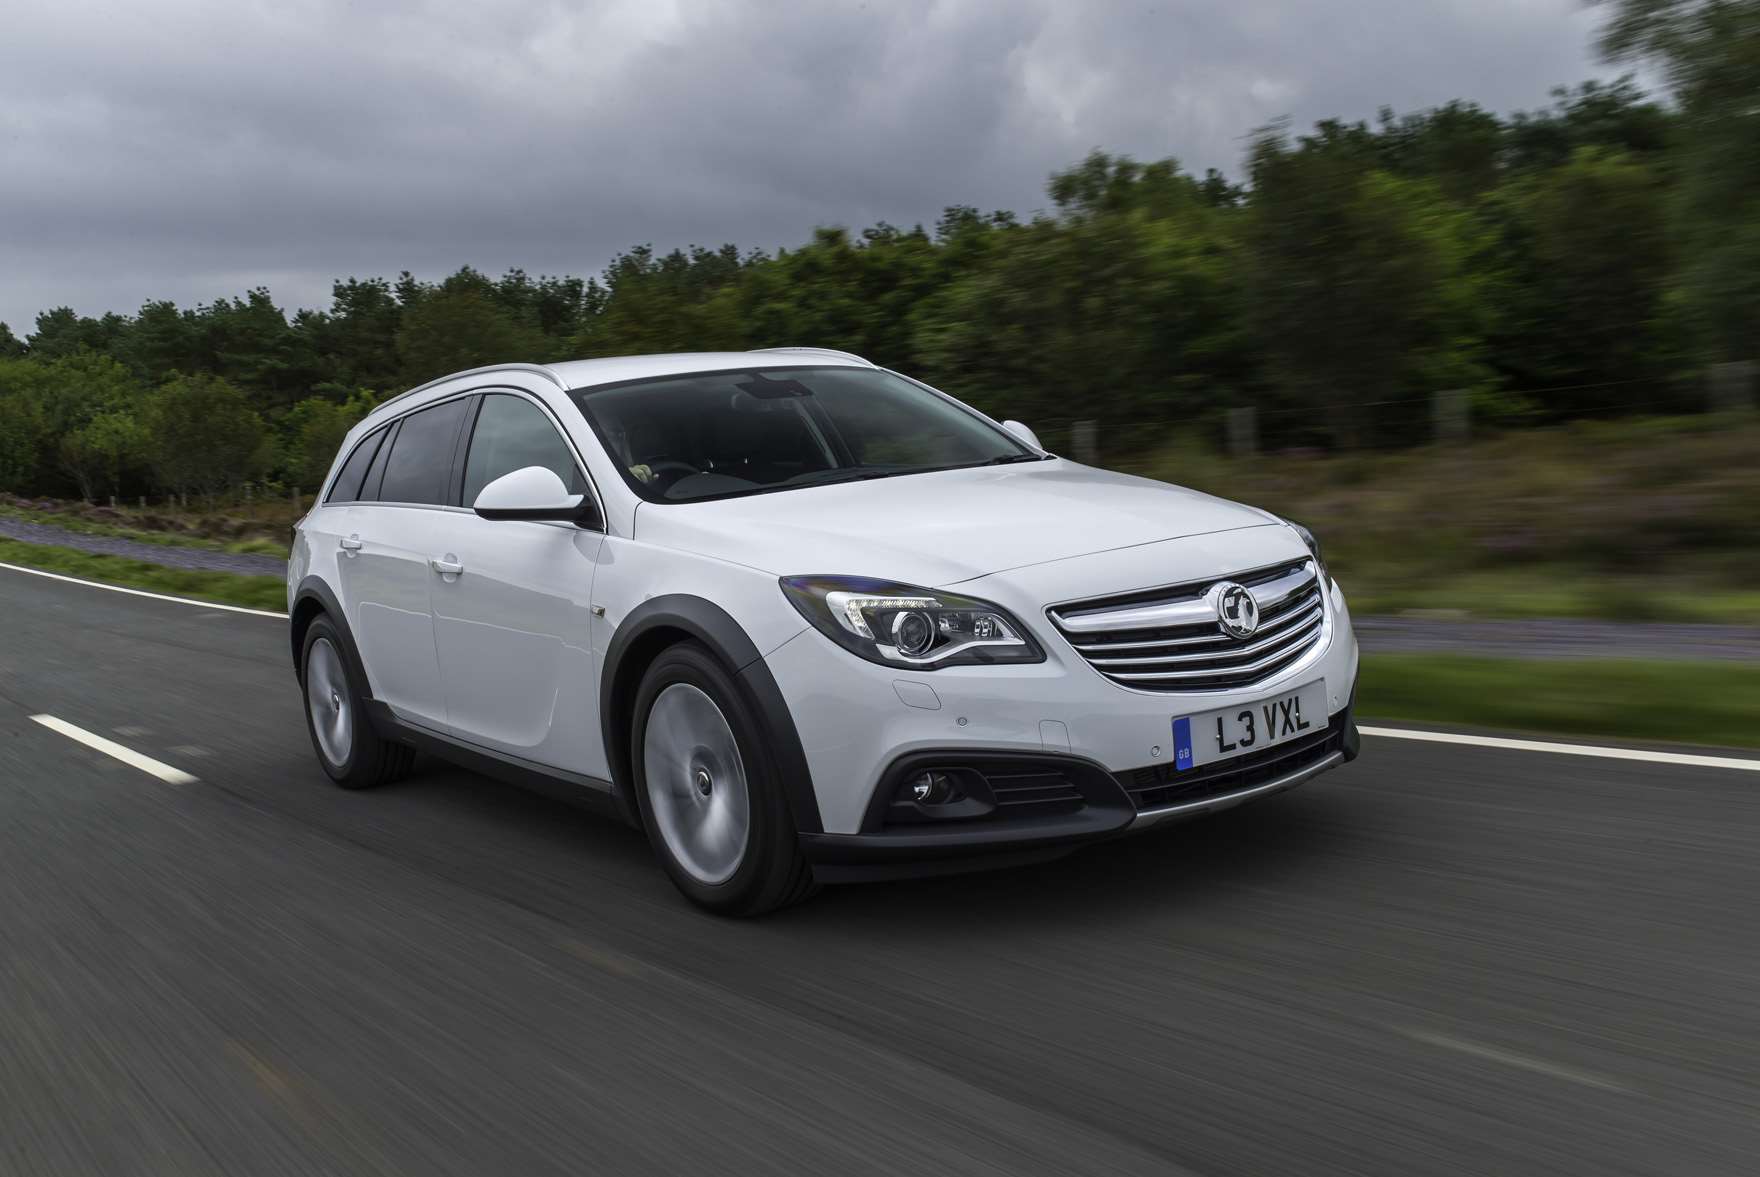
point(708, 623)
point(313, 590)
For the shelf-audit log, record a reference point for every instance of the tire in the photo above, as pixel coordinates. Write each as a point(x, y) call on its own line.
point(351, 752)
point(701, 772)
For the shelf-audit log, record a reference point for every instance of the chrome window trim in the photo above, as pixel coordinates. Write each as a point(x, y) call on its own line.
point(391, 419)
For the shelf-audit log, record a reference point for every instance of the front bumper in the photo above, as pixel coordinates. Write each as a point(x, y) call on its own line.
point(855, 718)
point(1109, 805)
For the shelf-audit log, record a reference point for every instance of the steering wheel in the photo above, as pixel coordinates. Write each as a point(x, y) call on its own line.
point(666, 471)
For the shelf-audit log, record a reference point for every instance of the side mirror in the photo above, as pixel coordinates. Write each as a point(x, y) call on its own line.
point(534, 492)
point(1022, 432)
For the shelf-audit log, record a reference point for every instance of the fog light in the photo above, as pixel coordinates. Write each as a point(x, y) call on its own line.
point(934, 788)
point(913, 633)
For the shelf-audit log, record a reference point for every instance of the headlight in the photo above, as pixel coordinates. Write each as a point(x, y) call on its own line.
point(898, 625)
point(1313, 547)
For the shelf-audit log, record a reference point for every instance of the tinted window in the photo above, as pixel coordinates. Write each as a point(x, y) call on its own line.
point(376, 472)
point(347, 487)
point(511, 434)
point(420, 464)
point(728, 433)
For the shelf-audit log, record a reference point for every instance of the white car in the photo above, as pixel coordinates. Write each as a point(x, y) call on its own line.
point(803, 619)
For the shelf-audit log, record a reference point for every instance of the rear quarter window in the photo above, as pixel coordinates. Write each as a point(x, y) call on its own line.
point(347, 486)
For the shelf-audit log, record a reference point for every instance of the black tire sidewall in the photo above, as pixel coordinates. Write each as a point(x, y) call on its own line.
point(771, 845)
point(347, 773)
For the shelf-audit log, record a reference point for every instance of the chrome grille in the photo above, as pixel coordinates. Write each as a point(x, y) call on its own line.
point(1170, 639)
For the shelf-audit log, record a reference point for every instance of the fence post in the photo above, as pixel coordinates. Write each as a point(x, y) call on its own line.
point(296, 500)
point(143, 502)
point(1451, 415)
point(1084, 442)
point(1243, 431)
point(1732, 386)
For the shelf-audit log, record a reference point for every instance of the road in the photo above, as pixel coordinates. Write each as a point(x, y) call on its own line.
point(1438, 960)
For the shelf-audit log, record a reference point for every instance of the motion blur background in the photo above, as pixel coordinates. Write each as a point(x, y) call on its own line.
point(1471, 287)
point(1474, 288)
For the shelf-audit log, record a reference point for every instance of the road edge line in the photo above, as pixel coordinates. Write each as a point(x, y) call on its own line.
point(1596, 750)
point(134, 592)
point(110, 748)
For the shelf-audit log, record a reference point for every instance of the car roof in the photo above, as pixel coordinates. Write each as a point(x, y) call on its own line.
point(613, 369)
point(572, 374)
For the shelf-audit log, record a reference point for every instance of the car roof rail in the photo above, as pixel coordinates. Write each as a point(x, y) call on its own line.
point(819, 351)
point(537, 369)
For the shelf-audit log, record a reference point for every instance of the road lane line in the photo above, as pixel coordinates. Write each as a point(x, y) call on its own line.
point(1511, 1058)
point(128, 756)
point(1400, 733)
point(116, 588)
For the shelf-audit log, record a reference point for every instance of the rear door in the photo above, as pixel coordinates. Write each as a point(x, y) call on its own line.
point(512, 626)
point(392, 540)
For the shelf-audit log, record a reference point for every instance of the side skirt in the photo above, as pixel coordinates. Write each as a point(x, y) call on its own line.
point(584, 792)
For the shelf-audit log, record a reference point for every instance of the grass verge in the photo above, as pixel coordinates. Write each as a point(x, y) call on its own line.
point(256, 592)
point(1680, 702)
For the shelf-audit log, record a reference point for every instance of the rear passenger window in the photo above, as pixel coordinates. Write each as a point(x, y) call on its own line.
point(420, 465)
point(347, 487)
point(511, 434)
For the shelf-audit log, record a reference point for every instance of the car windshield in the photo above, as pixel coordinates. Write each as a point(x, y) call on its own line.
point(718, 434)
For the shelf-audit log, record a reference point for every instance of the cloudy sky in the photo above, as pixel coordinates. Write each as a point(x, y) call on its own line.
point(190, 149)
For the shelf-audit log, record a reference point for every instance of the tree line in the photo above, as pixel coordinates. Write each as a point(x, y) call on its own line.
point(1594, 254)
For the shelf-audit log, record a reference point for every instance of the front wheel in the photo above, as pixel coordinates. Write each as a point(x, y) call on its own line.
point(709, 794)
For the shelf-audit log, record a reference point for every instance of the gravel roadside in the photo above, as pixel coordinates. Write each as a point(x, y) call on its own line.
point(197, 559)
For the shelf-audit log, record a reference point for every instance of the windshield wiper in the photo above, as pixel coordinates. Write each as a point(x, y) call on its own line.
point(1010, 459)
point(841, 474)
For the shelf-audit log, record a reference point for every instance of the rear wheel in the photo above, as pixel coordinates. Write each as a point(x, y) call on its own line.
point(709, 794)
point(351, 752)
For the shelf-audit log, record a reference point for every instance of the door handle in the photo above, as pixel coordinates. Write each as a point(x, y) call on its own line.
point(351, 544)
point(446, 566)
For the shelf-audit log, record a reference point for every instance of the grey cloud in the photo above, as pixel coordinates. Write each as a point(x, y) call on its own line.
point(189, 149)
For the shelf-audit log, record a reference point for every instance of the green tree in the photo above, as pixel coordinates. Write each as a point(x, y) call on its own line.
point(1362, 295)
point(100, 453)
point(61, 332)
point(11, 346)
point(23, 433)
point(313, 432)
point(681, 301)
point(1123, 317)
point(1710, 50)
point(449, 330)
point(1582, 263)
point(201, 435)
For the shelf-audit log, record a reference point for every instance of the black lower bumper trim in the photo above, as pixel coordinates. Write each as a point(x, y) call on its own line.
point(973, 840)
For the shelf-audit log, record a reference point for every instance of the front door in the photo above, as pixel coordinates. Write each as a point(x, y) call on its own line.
point(512, 625)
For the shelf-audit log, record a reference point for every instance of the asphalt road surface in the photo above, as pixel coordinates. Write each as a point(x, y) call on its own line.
point(1440, 959)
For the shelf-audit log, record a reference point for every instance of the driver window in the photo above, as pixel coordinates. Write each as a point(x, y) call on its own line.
point(511, 434)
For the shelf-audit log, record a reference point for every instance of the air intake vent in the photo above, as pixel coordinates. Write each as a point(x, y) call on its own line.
point(1171, 640)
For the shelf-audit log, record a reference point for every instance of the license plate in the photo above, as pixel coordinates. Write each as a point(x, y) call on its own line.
point(1227, 732)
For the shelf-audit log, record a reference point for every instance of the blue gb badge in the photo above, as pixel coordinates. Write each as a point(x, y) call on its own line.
point(1182, 744)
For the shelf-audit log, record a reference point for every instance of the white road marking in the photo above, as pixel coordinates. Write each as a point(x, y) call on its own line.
point(116, 588)
point(128, 756)
point(1511, 1058)
point(1400, 733)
